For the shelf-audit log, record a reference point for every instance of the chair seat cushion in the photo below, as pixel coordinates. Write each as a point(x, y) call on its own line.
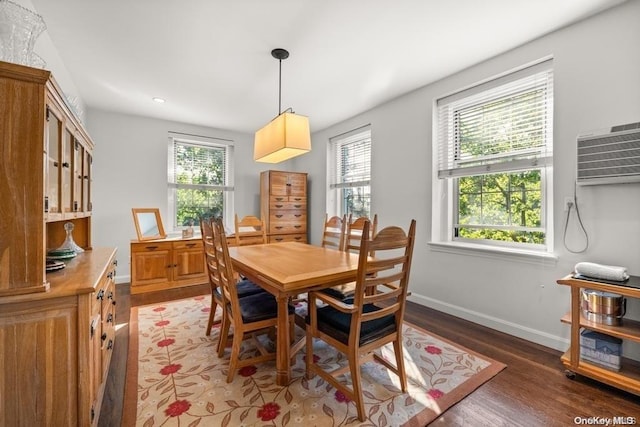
point(341, 292)
point(257, 307)
point(246, 287)
point(337, 324)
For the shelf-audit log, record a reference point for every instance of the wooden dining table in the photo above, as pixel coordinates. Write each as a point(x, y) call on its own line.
point(286, 270)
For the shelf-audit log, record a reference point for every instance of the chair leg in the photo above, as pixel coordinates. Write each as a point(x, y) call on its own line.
point(235, 353)
point(356, 384)
point(224, 334)
point(397, 348)
point(212, 314)
point(309, 357)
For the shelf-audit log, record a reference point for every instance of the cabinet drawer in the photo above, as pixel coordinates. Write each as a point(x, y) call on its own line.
point(297, 199)
point(279, 238)
point(292, 216)
point(287, 227)
point(151, 247)
point(189, 244)
point(287, 205)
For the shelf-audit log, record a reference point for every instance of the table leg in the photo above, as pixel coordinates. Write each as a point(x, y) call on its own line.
point(283, 349)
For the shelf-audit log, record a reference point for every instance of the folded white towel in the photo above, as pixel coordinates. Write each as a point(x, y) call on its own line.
point(599, 271)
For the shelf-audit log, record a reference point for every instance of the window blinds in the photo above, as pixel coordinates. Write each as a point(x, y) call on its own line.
point(351, 159)
point(502, 125)
point(200, 165)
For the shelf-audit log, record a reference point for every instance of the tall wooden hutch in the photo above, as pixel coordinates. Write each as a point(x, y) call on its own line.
point(57, 329)
point(283, 205)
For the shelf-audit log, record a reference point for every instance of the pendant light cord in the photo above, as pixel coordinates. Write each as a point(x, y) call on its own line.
point(279, 87)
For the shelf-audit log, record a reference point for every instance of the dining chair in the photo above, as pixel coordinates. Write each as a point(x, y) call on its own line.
point(244, 287)
point(359, 326)
point(254, 314)
point(354, 233)
point(352, 242)
point(250, 230)
point(333, 232)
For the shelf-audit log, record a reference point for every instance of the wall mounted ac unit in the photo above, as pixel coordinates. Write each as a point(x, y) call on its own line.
point(610, 157)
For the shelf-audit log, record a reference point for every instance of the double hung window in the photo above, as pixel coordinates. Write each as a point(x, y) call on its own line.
point(200, 179)
point(349, 173)
point(494, 161)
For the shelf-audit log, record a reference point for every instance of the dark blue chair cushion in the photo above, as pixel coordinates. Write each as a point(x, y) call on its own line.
point(260, 306)
point(337, 324)
point(341, 292)
point(246, 287)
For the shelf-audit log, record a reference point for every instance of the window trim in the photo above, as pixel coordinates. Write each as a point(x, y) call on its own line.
point(444, 191)
point(227, 189)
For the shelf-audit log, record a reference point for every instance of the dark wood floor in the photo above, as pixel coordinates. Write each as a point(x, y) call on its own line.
point(532, 391)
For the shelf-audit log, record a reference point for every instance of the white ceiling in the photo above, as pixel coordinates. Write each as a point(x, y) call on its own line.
point(211, 61)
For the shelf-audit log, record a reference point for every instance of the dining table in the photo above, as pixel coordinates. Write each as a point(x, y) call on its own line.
point(286, 270)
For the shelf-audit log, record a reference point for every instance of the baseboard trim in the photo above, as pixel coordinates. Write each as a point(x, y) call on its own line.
point(520, 331)
point(123, 279)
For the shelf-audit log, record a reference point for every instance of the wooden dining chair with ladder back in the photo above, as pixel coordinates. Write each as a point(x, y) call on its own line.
point(357, 327)
point(244, 287)
point(250, 230)
point(351, 243)
point(333, 232)
point(250, 315)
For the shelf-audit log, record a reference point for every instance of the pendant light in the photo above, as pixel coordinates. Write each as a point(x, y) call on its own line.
point(287, 135)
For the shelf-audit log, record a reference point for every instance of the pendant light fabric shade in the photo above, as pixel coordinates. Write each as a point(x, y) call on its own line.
point(284, 137)
point(287, 135)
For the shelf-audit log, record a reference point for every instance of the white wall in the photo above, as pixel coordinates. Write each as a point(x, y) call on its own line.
point(597, 85)
point(130, 170)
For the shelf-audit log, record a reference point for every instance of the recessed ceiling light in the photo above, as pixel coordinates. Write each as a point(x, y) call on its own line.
point(158, 100)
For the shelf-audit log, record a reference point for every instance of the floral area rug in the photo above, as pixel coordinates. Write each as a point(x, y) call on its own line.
point(175, 378)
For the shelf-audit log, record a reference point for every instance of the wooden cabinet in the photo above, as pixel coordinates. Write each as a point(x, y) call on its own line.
point(38, 136)
point(169, 263)
point(57, 329)
point(56, 346)
point(283, 205)
point(628, 378)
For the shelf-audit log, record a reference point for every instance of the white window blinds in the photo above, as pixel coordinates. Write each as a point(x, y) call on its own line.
point(502, 125)
point(350, 159)
point(200, 165)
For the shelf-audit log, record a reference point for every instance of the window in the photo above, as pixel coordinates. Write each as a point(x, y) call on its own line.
point(349, 173)
point(494, 154)
point(200, 179)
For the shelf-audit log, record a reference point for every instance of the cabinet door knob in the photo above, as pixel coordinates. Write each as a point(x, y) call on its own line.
point(65, 165)
point(104, 336)
point(279, 216)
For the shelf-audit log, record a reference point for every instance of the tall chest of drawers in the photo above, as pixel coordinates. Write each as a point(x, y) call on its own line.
point(283, 205)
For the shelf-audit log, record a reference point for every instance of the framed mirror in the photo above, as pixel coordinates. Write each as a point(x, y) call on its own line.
point(148, 223)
